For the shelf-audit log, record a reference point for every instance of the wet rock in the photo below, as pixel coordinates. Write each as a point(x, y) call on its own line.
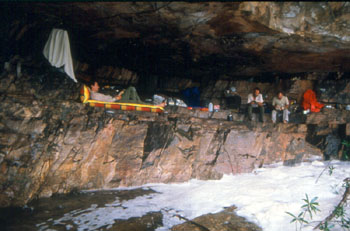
point(150, 221)
point(332, 143)
point(43, 212)
point(222, 221)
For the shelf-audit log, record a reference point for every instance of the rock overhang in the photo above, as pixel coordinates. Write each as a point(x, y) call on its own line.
point(199, 38)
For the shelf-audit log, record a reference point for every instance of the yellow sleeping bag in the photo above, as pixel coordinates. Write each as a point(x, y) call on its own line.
point(85, 98)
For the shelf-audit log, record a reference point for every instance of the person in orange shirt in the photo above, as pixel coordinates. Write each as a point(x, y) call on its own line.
point(310, 101)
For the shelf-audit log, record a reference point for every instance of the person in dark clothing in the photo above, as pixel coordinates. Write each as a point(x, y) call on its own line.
point(233, 100)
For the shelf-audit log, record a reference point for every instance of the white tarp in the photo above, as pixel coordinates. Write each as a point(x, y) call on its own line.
point(57, 51)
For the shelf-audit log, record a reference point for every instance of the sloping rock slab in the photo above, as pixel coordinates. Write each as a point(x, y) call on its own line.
point(226, 220)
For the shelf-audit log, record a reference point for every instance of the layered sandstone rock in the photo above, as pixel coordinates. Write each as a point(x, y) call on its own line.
point(51, 143)
point(55, 144)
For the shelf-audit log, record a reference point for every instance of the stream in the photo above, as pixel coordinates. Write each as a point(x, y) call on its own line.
point(45, 213)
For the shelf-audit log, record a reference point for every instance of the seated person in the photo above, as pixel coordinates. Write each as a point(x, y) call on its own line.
point(256, 100)
point(310, 102)
point(280, 103)
point(128, 95)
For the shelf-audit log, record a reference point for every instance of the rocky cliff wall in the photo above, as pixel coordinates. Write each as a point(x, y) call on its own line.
point(51, 143)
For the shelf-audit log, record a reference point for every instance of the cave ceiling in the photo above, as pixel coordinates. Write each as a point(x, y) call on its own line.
point(195, 38)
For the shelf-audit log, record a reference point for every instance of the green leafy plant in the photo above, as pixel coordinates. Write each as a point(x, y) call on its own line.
point(339, 218)
point(345, 222)
point(330, 171)
point(326, 226)
point(309, 207)
point(346, 151)
point(298, 219)
point(340, 213)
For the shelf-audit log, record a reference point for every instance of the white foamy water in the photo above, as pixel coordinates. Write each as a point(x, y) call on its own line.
point(262, 197)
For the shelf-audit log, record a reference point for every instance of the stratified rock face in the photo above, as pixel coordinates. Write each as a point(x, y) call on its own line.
point(54, 144)
point(135, 152)
point(171, 38)
point(335, 91)
point(51, 143)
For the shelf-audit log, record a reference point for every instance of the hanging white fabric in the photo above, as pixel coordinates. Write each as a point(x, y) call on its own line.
point(57, 51)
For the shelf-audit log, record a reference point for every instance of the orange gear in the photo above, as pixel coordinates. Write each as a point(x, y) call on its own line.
point(310, 102)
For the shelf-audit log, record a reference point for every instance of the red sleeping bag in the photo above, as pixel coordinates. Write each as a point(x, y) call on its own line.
point(310, 101)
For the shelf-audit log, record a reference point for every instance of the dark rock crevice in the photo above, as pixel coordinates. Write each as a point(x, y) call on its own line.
point(158, 136)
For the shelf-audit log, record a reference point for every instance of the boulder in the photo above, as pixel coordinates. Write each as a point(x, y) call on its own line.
point(225, 220)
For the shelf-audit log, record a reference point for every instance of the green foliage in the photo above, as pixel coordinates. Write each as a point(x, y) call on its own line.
point(326, 227)
point(345, 222)
point(341, 216)
point(335, 189)
point(339, 212)
point(299, 218)
point(308, 208)
point(330, 170)
point(346, 151)
point(346, 143)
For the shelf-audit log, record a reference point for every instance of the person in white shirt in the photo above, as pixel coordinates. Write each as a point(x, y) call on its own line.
point(95, 95)
point(128, 95)
point(280, 103)
point(256, 100)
